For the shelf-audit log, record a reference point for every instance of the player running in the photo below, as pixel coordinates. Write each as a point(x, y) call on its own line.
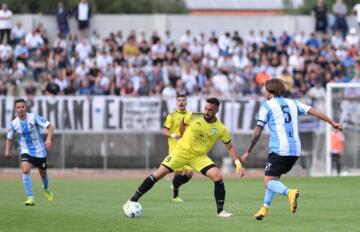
point(172, 131)
point(31, 146)
point(282, 117)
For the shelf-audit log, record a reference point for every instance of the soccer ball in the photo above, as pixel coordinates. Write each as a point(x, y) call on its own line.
point(132, 209)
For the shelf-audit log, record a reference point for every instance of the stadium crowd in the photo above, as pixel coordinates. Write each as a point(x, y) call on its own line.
point(137, 64)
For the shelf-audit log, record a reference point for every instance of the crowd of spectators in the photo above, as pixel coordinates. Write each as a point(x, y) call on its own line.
point(137, 64)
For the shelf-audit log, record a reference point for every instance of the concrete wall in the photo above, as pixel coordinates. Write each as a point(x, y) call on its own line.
point(131, 150)
point(179, 23)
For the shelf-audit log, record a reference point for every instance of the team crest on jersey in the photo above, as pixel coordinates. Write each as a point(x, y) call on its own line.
point(213, 131)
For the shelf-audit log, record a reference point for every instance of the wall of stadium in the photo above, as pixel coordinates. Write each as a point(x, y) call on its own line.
point(177, 24)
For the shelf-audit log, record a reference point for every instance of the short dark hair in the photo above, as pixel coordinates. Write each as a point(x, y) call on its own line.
point(275, 87)
point(19, 100)
point(213, 100)
point(180, 95)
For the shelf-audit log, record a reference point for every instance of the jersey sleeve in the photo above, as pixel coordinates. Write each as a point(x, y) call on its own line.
point(10, 132)
point(187, 119)
point(302, 108)
point(262, 116)
point(225, 136)
point(41, 121)
point(168, 122)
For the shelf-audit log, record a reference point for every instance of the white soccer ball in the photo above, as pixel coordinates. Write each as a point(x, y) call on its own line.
point(132, 209)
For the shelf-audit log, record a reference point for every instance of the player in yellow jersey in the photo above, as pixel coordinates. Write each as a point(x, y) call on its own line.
point(172, 131)
point(199, 133)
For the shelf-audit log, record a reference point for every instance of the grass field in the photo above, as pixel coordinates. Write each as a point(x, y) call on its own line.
point(325, 204)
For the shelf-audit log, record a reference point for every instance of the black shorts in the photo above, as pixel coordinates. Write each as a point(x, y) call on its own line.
point(276, 165)
point(35, 162)
point(83, 24)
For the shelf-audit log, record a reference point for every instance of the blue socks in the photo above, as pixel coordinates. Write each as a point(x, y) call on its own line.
point(269, 195)
point(45, 181)
point(273, 187)
point(277, 187)
point(28, 184)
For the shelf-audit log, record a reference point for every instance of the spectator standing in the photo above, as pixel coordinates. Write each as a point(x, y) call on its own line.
point(83, 14)
point(337, 149)
point(340, 10)
point(356, 10)
point(62, 19)
point(5, 23)
point(320, 13)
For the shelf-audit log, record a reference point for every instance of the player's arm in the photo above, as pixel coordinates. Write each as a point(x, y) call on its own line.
point(50, 133)
point(232, 151)
point(168, 124)
point(324, 117)
point(8, 145)
point(9, 140)
point(254, 140)
point(166, 132)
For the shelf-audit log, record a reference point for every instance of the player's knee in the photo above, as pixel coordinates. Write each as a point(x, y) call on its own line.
point(42, 173)
point(189, 174)
point(26, 170)
point(266, 181)
point(160, 173)
point(217, 177)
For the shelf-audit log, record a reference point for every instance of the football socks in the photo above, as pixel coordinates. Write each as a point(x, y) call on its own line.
point(219, 191)
point(146, 185)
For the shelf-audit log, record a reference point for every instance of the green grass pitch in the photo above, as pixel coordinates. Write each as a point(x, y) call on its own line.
point(325, 204)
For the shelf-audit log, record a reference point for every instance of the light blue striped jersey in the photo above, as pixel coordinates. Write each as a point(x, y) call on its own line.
point(29, 135)
point(282, 117)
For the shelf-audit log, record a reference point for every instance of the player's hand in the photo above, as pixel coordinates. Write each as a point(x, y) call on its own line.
point(7, 155)
point(244, 157)
point(48, 144)
point(238, 168)
point(337, 126)
point(242, 172)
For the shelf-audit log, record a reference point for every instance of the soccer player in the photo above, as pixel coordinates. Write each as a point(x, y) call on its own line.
point(172, 131)
point(31, 146)
point(198, 132)
point(282, 117)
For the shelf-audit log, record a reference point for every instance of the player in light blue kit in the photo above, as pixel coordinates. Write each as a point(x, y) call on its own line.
point(282, 117)
point(32, 148)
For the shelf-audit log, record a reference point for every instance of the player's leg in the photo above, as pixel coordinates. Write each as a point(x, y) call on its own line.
point(179, 179)
point(26, 168)
point(149, 182)
point(276, 166)
point(214, 174)
point(208, 168)
point(42, 165)
point(337, 163)
point(170, 163)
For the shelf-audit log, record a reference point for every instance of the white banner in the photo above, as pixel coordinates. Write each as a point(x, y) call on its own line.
point(80, 114)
